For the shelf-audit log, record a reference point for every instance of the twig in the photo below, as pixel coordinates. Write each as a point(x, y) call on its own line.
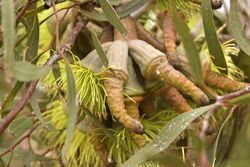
point(147, 37)
point(220, 101)
point(26, 135)
point(4, 123)
point(169, 35)
point(205, 123)
point(57, 26)
point(24, 9)
point(65, 8)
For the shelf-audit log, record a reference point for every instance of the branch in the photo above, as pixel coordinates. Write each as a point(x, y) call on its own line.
point(220, 101)
point(57, 26)
point(4, 123)
point(24, 9)
point(24, 136)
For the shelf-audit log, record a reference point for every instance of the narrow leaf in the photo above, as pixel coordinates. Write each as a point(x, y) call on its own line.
point(191, 50)
point(99, 49)
point(9, 99)
point(98, 123)
point(33, 40)
point(240, 151)
point(237, 28)
point(26, 72)
point(71, 109)
point(217, 139)
point(167, 135)
point(244, 99)
point(115, 2)
point(2, 163)
point(129, 8)
point(21, 155)
point(36, 109)
point(20, 125)
point(112, 16)
point(9, 34)
point(213, 43)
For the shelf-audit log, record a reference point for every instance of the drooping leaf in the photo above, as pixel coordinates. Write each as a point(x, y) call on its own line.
point(98, 123)
point(9, 99)
point(115, 2)
point(112, 16)
point(129, 8)
point(99, 49)
point(243, 63)
point(244, 99)
point(26, 72)
point(36, 109)
point(215, 147)
point(213, 43)
point(9, 34)
point(169, 159)
point(186, 7)
point(22, 155)
point(20, 125)
point(167, 135)
point(71, 108)
point(2, 163)
point(237, 28)
point(33, 39)
point(190, 47)
point(240, 153)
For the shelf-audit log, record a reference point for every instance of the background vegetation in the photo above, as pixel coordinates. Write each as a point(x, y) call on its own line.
point(124, 83)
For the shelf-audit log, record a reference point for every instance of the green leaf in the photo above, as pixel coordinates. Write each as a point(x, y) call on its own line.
point(71, 109)
point(237, 28)
point(129, 8)
point(112, 16)
point(243, 63)
point(9, 99)
point(22, 155)
point(2, 163)
point(167, 135)
point(190, 47)
point(33, 40)
point(115, 2)
point(99, 49)
point(213, 43)
point(240, 153)
point(214, 156)
point(9, 33)
point(169, 159)
point(26, 72)
point(20, 125)
point(36, 109)
point(98, 123)
point(244, 99)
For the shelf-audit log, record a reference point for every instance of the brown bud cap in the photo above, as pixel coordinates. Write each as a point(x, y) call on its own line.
point(221, 81)
point(133, 111)
point(143, 53)
point(118, 56)
point(174, 98)
point(114, 89)
point(132, 86)
point(93, 61)
point(160, 69)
